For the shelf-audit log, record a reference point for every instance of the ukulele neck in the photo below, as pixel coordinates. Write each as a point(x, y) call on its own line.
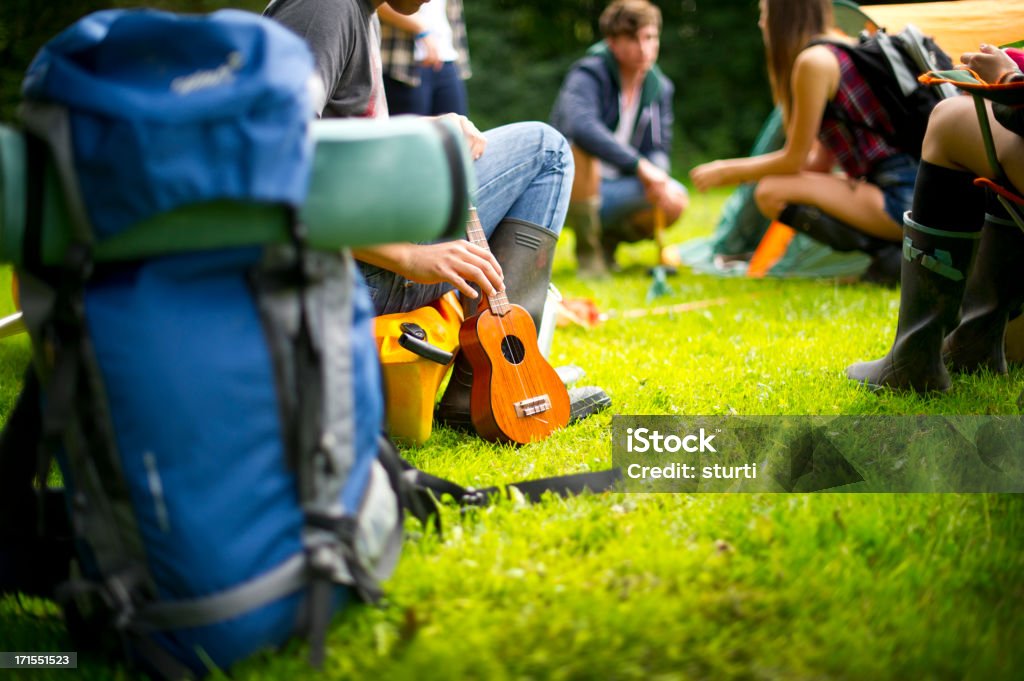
point(498, 303)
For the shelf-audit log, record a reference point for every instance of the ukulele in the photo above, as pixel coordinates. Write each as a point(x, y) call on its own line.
point(516, 395)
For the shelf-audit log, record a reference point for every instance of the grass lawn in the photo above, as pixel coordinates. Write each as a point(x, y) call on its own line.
point(673, 586)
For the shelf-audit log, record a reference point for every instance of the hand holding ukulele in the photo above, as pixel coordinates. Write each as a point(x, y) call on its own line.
point(516, 396)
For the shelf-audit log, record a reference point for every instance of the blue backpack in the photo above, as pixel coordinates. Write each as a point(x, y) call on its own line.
point(205, 371)
point(216, 412)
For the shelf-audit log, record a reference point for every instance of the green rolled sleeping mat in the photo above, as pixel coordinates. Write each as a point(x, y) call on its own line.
point(373, 182)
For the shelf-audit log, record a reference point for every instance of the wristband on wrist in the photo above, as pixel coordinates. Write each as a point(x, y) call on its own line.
point(1010, 76)
point(421, 35)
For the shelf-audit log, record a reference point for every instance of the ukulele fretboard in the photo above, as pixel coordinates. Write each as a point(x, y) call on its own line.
point(498, 303)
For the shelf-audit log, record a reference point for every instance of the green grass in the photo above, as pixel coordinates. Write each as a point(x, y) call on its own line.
point(630, 586)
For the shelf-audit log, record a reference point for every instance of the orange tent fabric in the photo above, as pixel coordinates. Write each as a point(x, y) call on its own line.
point(959, 26)
point(772, 247)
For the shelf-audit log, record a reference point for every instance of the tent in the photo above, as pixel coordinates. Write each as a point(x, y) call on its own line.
point(957, 26)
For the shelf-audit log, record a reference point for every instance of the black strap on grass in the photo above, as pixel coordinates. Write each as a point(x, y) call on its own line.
point(420, 483)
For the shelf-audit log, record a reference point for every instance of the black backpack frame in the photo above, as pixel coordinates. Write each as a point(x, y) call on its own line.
point(891, 65)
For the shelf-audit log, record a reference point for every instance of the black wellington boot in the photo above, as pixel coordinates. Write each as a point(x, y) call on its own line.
point(526, 253)
point(934, 275)
point(995, 290)
point(628, 229)
point(585, 218)
point(839, 236)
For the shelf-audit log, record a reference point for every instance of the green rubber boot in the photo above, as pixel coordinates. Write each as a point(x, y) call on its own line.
point(526, 253)
point(839, 236)
point(933, 279)
point(585, 218)
point(995, 290)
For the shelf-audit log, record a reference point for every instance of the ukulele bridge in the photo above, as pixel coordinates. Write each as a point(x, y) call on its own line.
point(532, 406)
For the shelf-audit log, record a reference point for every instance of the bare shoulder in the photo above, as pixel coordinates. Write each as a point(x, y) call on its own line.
point(816, 69)
point(817, 59)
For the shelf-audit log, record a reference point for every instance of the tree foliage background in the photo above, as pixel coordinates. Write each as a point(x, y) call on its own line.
point(710, 48)
point(520, 50)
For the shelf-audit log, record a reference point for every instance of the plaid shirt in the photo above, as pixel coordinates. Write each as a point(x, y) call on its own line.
point(396, 48)
point(856, 147)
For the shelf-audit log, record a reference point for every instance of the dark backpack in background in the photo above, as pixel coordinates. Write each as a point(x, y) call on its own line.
point(891, 65)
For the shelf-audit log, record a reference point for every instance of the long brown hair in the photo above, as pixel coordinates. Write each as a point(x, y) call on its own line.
point(791, 24)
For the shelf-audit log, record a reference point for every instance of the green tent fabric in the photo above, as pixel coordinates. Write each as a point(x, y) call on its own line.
point(741, 226)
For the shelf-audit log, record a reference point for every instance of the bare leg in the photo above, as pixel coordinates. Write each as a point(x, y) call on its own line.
point(954, 140)
point(859, 204)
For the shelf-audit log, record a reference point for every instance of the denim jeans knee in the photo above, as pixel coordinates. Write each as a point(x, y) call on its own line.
point(525, 172)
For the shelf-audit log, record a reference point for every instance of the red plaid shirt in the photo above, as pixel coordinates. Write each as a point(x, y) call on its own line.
point(856, 147)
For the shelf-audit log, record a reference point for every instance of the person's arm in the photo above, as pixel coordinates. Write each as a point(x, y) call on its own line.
point(815, 79)
point(665, 123)
point(474, 138)
point(579, 106)
point(458, 262)
point(652, 168)
point(415, 27)
point(820, 160)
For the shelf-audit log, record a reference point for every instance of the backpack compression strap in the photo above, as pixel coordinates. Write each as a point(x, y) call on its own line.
point(307, 302)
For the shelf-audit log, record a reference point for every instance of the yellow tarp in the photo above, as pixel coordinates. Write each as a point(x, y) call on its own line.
point(957, 27)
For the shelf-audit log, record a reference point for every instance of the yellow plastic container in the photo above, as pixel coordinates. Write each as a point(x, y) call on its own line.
point(411, 381)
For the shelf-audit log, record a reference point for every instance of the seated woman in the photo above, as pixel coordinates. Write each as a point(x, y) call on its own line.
point(949, 217)
point(861, 211)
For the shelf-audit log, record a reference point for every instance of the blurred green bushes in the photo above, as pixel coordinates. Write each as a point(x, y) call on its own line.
point(520, 50)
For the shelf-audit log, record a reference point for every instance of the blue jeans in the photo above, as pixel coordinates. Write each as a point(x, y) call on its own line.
point(621, 197)
point(525, 172)
point(895, 176)
point(439, 92)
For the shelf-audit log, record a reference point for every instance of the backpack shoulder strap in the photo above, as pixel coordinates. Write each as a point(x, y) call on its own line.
point(35, 533)
point(50, 122)
point(887, 48)
point(307, 301)
point(871, 70)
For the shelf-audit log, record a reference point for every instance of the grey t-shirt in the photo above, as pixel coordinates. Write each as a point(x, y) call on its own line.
point(345, 45)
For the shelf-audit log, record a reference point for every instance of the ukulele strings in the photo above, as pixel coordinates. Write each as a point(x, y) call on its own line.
point(505, 334)
point(474, 221)
point(518, 332)
point(515, 367)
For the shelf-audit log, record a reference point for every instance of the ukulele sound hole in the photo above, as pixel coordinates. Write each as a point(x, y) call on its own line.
point(513, 349)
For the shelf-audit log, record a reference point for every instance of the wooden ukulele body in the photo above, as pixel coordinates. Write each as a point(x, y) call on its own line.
point(517, 396)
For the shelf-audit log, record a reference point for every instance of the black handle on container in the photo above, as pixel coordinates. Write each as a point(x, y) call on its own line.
point(413, 339)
